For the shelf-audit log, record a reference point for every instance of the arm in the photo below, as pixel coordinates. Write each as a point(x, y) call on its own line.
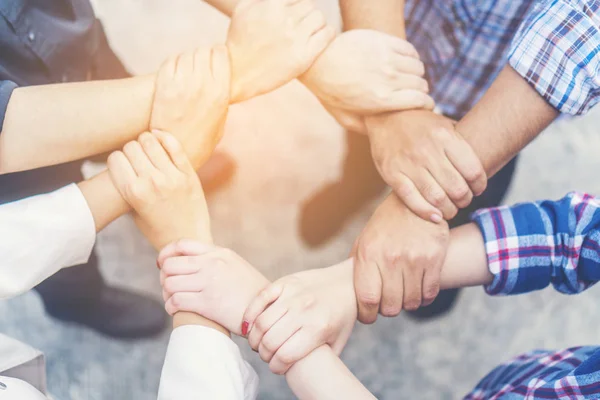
point(52, 124)
point(386, 16)
point(509, 116)
point(219, 284)
point(509, 250)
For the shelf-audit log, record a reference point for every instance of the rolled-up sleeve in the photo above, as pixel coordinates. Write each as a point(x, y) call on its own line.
point(557, 50)
point(532, 245)
point(6, 89)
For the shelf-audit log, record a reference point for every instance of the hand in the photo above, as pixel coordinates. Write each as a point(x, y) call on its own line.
point(210, 281)
point(155, 177)
point(191, 100)
point(271, 42)
point(397, 261)
point(368, 72)
point(431, 168)
point(299, 313)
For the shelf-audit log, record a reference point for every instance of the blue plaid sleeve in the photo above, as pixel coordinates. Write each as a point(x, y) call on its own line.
point(556, 51)
point(6, 89)
point(532, 245)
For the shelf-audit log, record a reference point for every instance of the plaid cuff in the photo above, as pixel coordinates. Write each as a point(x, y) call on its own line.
point(556, 51)
point(6, 89)
point(517, 247)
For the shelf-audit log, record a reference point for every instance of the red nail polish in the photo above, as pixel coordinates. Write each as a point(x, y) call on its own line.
point(157, 264)
point(245, 325)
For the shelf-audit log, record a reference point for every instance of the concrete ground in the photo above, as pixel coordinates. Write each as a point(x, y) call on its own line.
point(288, 148)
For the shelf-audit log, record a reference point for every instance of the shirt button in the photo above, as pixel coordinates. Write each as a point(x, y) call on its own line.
point(31, 36)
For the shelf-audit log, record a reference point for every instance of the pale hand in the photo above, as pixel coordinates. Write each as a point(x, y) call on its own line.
point(210, 281)
point(272, 42)
point(155, 177)
point(428, 164)
point(191, 100)
point(397, 261)
point(299, 313)
point(367, 72)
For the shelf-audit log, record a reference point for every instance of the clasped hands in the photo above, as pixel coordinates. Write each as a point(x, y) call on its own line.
point(368, 80)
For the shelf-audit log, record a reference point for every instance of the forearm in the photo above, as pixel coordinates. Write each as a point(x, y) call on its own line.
point(386, 16)
point(508, 117)
point(322, 375)
point(53, 124)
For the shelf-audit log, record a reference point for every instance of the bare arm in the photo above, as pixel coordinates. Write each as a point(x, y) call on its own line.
point(509, 116)
point(386, 16)
point(52, 124)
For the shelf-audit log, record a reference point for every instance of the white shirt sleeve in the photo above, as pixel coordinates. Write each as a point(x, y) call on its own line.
point(16, 389)
point(40, 235)
point(202, 363)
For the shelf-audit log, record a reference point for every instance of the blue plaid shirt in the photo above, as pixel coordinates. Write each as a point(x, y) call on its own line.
point(529, 247)
point(553, 44)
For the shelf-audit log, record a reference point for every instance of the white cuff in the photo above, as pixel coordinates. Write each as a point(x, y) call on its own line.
point(202, 363)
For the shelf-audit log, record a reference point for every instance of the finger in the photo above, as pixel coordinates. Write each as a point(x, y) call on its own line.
point(156, 153)
point(175, 152)
point(279, 333)
point(259, 304)
point(181, 265)
point(185, 65)
point(402, 81)
point(409, 65)
point(452, 182)
point(368, 285)
point(188, 302)
point(183, 283)
point(167, 70)
point(264, 322)
point(184, 247)
point(313, 22)
point(293, 350)
point(301, 8)
point(393, 287)
point(402, 46)
point(413, 282)
point(409, 99)
point(139, 160)
point(120, 170)
point(431, 284)
point(221, 68)
point(435, 195)
point(464, 159)
point(165, 295)
point(319, 41)
point(408, 193)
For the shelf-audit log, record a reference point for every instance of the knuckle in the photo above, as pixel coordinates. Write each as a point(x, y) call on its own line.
point(412, 304)
point(286, 357)
point(460, 192)
point(435, 197)
point(431, 292)
point(368, 298)
point(390, 310)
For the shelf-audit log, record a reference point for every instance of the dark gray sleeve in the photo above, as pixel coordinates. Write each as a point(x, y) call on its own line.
point(6, 89)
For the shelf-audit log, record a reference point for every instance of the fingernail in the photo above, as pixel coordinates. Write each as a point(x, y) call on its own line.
point(436, 218)
point(157, 264)
point(245, 325)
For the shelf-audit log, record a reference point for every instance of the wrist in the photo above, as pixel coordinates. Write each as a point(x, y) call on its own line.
point(187, 318)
